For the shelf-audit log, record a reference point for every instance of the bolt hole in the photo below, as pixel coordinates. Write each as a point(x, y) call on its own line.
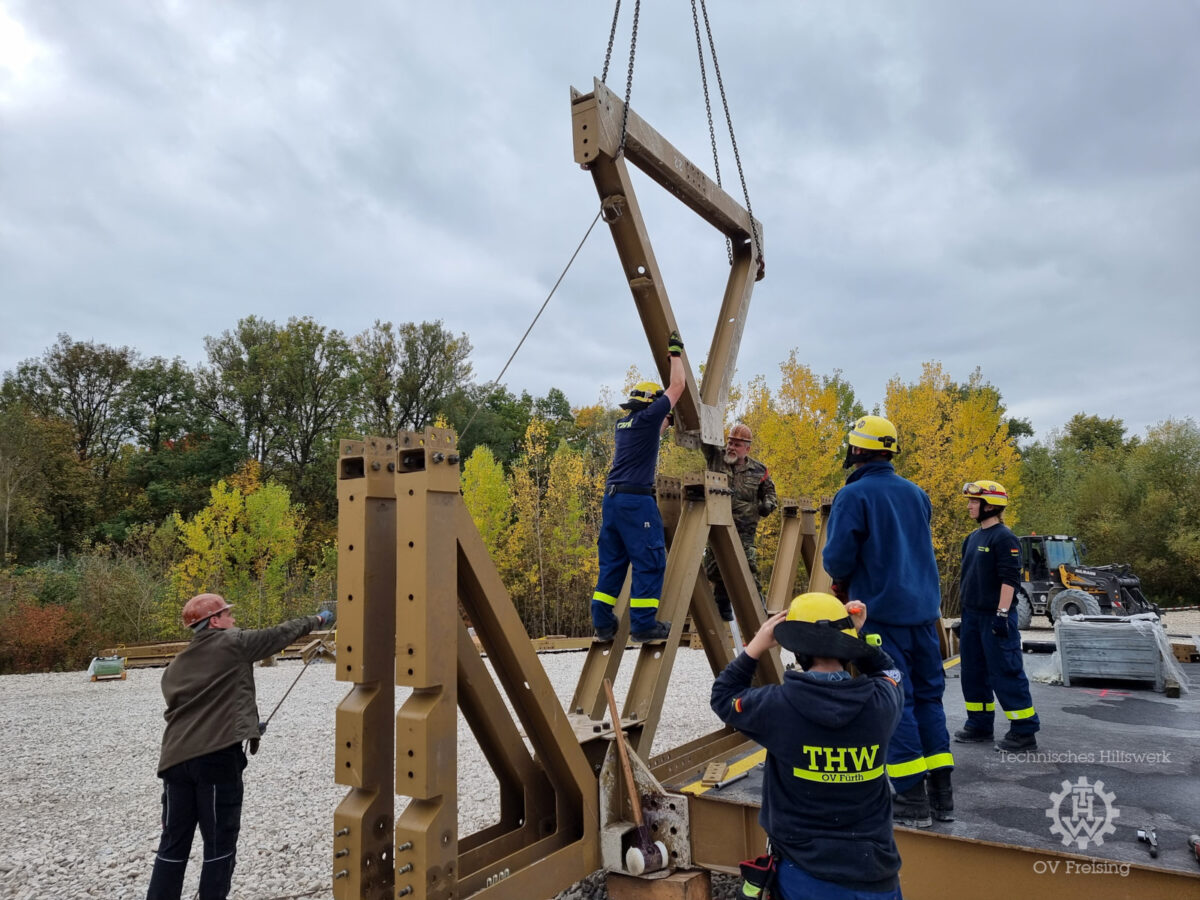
point(410, 545)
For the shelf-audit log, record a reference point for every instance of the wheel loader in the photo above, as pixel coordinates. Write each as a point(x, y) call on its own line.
point(1055, 582)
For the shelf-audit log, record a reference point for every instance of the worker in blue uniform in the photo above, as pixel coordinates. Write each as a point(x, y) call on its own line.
point(879, 549)
point(631, 529)
point(989, 642)
point(826, 805)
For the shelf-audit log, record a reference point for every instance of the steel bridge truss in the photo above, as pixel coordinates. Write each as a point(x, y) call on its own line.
point(414, 577)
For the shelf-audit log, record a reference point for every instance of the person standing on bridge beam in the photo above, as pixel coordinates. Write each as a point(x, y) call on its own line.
point(879, 549)
point(211, 711)
point(631, 529)
point(753, 497)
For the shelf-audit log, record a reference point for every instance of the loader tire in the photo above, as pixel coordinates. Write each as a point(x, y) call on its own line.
point(1073, 602)
point(1024, 611)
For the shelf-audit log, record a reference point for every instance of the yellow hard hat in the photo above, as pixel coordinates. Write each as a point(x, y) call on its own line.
point(990, 492)
point(643, 393)
point(817, 624)
point(875, 433)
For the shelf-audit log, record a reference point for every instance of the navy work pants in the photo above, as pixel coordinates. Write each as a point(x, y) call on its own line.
point(631, 533)
point(921, 742)
point(205, 791)
point(994, 666)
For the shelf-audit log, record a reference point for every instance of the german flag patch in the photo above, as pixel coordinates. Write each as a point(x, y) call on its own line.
point(737, 704)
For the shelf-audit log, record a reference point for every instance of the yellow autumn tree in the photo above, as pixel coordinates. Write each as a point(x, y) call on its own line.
point(949, 434)
point(485, 494)
point(241, 545)
point(800, 433)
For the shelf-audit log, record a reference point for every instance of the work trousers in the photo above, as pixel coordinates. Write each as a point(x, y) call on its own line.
point(720, 594)
point(921, 742)
point(631, 533)
point(993, 666)
point(205, 791)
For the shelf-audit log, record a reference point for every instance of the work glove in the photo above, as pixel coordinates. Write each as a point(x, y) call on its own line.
point(262, 728)
point(1000, 624)
point(838, 589)
point(671, 419)
point(326, 616)
point(674, 344)
point(875, 661)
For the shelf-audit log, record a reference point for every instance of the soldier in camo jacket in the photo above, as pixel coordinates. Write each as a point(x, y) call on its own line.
point(753, 498)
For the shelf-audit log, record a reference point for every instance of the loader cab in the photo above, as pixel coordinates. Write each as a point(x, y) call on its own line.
point(1042, 554)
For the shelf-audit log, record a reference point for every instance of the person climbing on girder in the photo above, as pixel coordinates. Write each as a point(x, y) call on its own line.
point(631, 530)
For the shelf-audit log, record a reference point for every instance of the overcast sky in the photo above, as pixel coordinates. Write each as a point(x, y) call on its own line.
point(1011, 186)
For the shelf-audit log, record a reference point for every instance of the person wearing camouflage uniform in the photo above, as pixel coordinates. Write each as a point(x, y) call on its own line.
point(753, 498)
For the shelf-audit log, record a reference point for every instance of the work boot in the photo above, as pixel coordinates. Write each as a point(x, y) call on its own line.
point(605, 634)
point(725, 610)
point(1017, 742)
point(912, 807)
point(659, 632)
point(970, 735)
point(941, 795)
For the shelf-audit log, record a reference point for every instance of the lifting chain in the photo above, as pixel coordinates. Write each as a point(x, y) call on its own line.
point(712, 47)
point(637, 10)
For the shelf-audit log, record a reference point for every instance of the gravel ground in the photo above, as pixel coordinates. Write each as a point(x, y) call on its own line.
point(82, 799)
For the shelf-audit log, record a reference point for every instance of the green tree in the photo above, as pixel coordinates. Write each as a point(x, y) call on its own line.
point(407, 373)
point(236, 385)
point(85, 384)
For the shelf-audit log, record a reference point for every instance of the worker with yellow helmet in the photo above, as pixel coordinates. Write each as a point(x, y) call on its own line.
point(631, 529)
point(826, 802)
point(993, 667)
point(879, 549)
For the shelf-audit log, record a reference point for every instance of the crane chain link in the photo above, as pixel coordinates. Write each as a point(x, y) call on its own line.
point(732, 138)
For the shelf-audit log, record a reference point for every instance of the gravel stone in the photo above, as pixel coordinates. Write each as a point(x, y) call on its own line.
point(83, 805)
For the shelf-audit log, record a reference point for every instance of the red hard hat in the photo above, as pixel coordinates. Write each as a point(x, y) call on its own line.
point(203, 606)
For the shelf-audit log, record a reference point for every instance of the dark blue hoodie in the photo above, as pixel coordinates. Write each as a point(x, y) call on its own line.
point(826, 801)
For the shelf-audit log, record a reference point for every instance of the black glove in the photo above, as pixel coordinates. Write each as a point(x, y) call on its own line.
point(674, 344)
point(671, 419)
point(875, 661)
point(1000, 624)
point(838, 589)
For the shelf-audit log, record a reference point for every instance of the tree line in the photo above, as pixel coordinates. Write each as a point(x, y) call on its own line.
point(128, 483)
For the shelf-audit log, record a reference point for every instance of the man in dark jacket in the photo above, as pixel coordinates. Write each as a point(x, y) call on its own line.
point(753, 497)
point(211, 710)
point(826, 803)
point(879, 549)
point(990, 644)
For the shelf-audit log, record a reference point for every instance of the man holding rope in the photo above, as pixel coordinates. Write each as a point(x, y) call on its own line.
point(211, 711)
